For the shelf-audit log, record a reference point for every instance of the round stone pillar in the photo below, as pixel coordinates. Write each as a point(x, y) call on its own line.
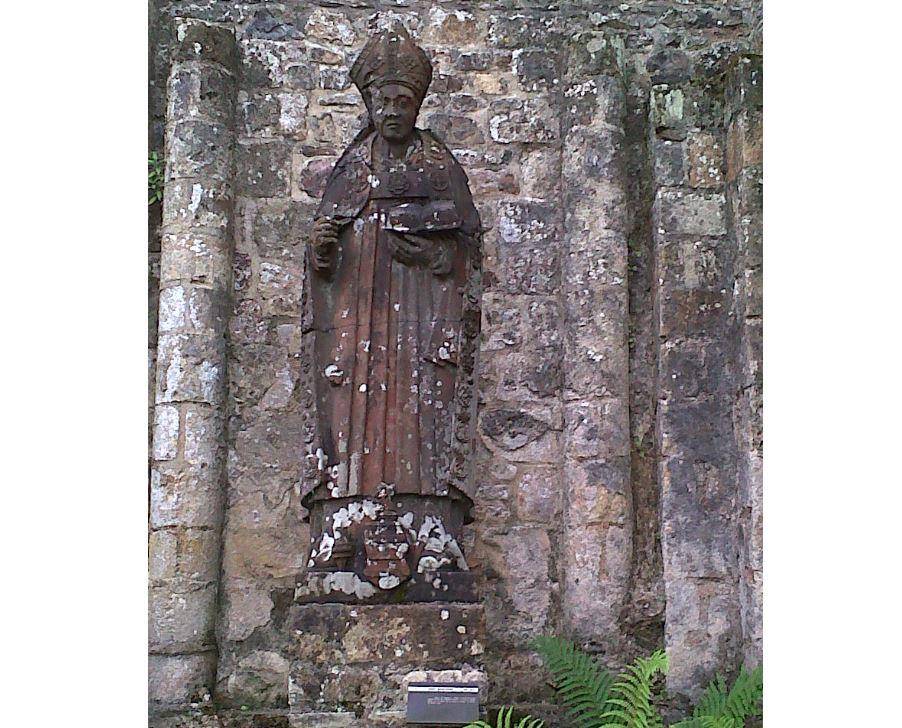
point(187, 476)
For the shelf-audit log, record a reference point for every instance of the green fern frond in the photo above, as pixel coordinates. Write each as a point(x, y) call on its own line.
point(731, 708)
point(746, 696)
point(503, 720)
point(582, 685)
point(704, 721)
point(630, 705)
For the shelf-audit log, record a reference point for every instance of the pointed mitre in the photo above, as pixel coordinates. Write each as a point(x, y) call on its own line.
point(392, 57)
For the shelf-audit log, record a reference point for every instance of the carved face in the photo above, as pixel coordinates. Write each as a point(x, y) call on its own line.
point(394, 109)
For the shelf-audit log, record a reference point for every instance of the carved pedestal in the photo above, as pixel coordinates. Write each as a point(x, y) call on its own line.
point(351, 664)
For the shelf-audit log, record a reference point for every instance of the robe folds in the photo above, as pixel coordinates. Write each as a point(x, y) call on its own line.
point(395, 342)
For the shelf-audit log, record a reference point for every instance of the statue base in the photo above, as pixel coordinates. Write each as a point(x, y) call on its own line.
point(351, 664)
point(345, 587)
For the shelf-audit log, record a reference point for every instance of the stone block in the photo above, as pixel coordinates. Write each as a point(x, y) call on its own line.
point(190, 368)
point(512, 321)
point(191, 204)
point(205, 92)
point(539, 495)
point(330, 27)
point(263, 169)
point(272, 23)
point(668, 66)
point(259, 679)
point(522, 31)
point(162, 548)
point(702, 263)
point(690, 213)
point(201, 41)
point(277, 64)
point(198, 555)
point(705, 160)
point(453, 28)
point(181, 495)
point(322, 720)
point(597, 490)
point(700, 633)
point(198, 257)
point(180, 679)
point(259, 113)
point(523, 120)
point(199, 149)
point(669, 113)
point(597, 572)
point(454, 129)
point(165, 432)
point(293, 114)
point(190, 309)
point(333, 78)
point(669, 167)
point(183, 619)
point(696, 313)
point(597, 428)
point(333, 130)
point(280, 288)
point(269, 551)
point(537, 69)
point(203, 435)
point(692, 369)
point(528, 247)
point(246, 606)
point(193, 718)
point(594, 155)
point(280, 229)
point(516, 593)
point(595, 356)
point(696, 431)
point(402, 634)
point(492, 505)
point(540, 170)
point(515, 377)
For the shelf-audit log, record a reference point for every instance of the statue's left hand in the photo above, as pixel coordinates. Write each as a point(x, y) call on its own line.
point(434, 251)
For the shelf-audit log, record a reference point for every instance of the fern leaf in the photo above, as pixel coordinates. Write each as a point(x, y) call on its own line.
point(582, 685)
point(713, 700)
point(719, 708)
point(631, 703)
point(746, 696)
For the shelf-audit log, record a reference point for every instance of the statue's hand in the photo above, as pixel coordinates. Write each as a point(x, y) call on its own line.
point(323, 238)
point(434, 251)
point(410, 249)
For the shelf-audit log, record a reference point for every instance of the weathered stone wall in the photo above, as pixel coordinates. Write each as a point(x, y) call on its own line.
point(613, 150)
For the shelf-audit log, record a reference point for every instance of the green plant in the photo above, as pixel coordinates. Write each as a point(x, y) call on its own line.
point(722, 708)
point(630, 705)
point(504, 721)
point(583, 686)
point(154, 178)
point(595, 700)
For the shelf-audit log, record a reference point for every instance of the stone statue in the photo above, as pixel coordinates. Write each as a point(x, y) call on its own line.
point(394, 287)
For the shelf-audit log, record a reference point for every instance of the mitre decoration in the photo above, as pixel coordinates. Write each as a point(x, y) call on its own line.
point(392, 57)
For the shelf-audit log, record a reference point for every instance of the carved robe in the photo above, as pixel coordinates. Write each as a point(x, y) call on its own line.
point(395, 342)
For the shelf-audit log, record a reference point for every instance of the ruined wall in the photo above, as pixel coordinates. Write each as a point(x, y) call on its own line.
point(613, 150)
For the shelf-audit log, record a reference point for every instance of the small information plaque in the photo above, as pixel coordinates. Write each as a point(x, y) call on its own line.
point(432, 703)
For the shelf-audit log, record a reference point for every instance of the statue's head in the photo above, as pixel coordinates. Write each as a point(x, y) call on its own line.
point(393, 74)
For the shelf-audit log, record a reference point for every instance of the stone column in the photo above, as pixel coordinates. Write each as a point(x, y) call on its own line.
point(186, 494)
point(598, 527)
point(694, 430)
point(743, 116)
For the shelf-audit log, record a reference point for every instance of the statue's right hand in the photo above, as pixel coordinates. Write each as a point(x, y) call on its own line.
point(323, 238)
